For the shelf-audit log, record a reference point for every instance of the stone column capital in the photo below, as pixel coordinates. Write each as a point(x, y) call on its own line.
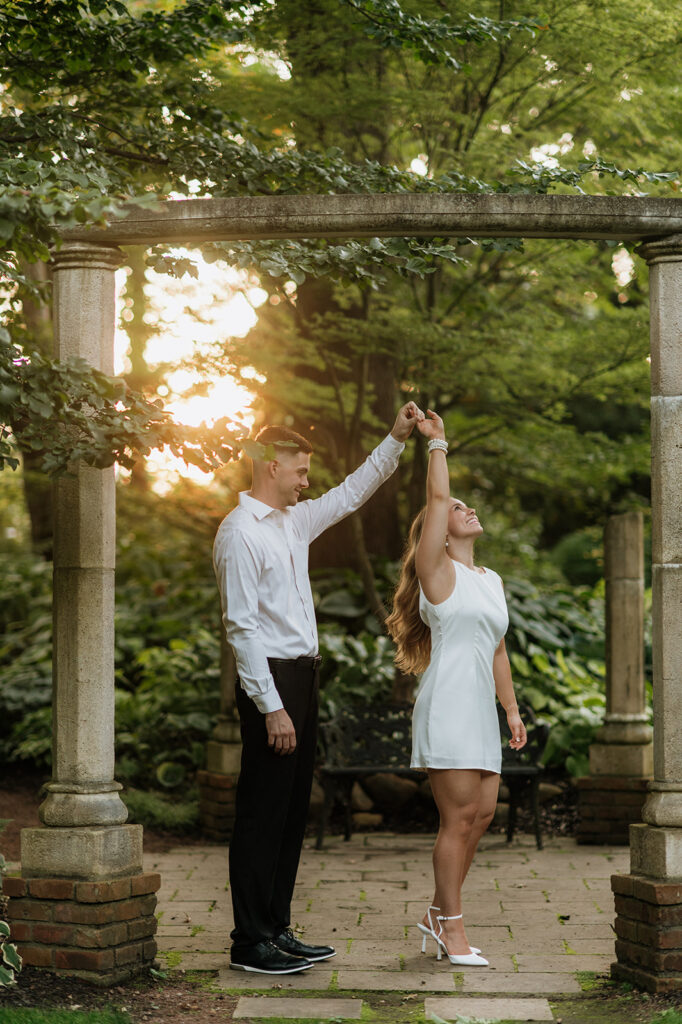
point(661, 250)
point(85, 256)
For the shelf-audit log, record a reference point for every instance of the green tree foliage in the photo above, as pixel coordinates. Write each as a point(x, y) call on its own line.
point(106, 101)
point(527, 352)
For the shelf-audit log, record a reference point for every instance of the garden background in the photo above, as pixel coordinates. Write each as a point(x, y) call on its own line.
point(535, 353)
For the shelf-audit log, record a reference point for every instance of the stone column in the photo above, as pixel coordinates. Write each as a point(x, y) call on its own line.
point(84, 853)
point(621, 761)
point(649, 900)
point(623, 744)
point(217, 784)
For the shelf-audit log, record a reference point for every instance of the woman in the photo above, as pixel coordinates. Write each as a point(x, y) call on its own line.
point(449, 621)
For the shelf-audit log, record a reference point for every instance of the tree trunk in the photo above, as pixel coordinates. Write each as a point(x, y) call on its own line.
point(37, 485)
point(139, 377)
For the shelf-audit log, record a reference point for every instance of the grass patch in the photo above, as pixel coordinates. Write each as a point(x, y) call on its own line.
point(589, 980)
point(162, 812)
point(172, 957)
point(670, 1016)
point(26, 1016)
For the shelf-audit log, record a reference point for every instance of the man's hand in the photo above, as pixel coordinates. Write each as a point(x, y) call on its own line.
point(281, 732)
point(405, 421)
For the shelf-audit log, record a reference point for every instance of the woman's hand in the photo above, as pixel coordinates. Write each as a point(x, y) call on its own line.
point(517, 729)
point(431, 426)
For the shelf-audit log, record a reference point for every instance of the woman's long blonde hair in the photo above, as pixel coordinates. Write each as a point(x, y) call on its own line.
point(410, 633)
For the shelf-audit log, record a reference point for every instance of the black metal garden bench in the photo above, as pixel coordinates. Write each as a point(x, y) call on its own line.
point(358, 742)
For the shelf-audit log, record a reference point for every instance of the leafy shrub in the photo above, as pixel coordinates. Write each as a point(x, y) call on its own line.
point(10, 961)
point(556, 649)
point(166, 647)
point(25, 641)
point(580, 556)
point(163, 723)
point(163, 811)
point(355, 669)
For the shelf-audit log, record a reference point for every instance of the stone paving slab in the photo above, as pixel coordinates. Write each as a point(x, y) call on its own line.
point(395, 981)
point(566, 963)
point(204, 961)
point(291, 1007)
point(487, 1009)
point(478, 980)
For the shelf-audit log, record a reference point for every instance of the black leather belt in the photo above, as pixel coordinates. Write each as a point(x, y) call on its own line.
point(304, 661)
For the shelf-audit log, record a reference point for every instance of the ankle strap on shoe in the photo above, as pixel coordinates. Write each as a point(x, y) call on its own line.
point(455, 917)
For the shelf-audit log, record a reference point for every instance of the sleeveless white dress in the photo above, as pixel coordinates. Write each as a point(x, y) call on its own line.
point(454, 722)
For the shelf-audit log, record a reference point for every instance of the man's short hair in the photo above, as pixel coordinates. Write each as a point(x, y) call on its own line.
point(284, 437)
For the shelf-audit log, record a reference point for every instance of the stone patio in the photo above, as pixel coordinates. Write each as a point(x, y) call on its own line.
point(540, 916)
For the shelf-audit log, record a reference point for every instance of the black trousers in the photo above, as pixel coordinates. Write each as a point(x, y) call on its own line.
point(273, 795)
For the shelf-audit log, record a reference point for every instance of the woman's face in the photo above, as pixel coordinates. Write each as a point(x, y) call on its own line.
point(462, 520)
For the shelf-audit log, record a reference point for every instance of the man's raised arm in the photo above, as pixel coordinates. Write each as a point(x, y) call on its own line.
point(360, 485)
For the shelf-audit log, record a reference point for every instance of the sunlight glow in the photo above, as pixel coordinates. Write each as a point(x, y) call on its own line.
point(188, 317)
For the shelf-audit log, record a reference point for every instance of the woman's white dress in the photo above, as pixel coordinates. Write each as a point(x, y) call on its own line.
point(454, 722)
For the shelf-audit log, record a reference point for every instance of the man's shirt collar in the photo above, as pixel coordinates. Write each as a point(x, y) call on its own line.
point(257, 508)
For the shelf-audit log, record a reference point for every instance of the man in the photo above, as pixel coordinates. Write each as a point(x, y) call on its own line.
point(260, 558)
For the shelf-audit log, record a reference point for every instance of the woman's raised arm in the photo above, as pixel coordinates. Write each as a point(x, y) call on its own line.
point(434, 569)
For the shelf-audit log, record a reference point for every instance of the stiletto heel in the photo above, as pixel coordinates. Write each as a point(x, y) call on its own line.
point(426, 931)
point(462, 959)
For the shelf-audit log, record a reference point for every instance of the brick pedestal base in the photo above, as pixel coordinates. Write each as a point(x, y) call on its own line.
point(608, 805)
point(216, 804)
point(100, 931)
point(649, 933)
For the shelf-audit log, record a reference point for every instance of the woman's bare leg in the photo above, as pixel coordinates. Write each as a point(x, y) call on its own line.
point(457, 793)
point(490, 784)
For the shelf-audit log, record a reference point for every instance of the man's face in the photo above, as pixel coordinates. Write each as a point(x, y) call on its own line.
point(291, 477)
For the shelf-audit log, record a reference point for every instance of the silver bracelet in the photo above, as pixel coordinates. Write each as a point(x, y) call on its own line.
point(436, 444)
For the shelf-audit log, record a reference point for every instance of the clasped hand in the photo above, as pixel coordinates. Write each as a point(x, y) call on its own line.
point(408, 415)
point(281, 732)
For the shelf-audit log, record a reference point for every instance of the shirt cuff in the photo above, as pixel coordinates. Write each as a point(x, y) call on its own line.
point(391, 446)
point(266, 702)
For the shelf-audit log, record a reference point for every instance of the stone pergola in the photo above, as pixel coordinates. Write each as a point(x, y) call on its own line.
point(85, 856)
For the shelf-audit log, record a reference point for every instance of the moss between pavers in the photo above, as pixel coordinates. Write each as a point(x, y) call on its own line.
point(606, 1003)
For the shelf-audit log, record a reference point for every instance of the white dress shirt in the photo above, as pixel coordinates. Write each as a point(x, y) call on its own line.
point(260, 557)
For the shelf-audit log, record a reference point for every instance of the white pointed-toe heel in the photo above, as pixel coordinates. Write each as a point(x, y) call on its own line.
point(461, 959)
point(431, 931)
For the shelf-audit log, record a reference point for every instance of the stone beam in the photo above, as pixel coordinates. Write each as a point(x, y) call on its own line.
point(620, 218)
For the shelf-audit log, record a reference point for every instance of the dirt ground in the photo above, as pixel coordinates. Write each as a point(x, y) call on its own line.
point(171, 1000)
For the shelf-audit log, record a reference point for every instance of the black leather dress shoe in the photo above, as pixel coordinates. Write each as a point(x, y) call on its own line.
point(288, 943)
point(267, 958)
